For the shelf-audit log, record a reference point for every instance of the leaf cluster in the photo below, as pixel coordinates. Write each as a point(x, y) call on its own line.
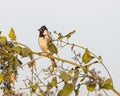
point(50, 82)
point(10, 54)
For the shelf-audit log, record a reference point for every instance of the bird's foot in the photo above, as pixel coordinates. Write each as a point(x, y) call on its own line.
point(50, 55)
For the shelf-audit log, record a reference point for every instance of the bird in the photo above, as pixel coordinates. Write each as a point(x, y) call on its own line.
point(46, 44)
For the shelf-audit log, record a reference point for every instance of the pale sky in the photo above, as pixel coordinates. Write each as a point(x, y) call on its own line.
point(97, 23)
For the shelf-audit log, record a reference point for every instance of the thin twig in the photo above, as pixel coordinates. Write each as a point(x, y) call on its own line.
point(94, 56)
point(115, 91)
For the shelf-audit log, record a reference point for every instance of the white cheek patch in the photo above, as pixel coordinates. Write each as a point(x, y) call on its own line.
point(45, 32)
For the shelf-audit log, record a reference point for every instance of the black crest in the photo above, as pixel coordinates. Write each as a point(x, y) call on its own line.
point(41, 30)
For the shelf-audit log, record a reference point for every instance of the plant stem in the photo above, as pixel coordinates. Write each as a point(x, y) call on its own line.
point(60, 59)
point(22, 44)
point(105, 92)
point(72, 63)
point(94, 56)
point(115, 91)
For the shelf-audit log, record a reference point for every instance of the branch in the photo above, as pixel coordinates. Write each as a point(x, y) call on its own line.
point(70, 62)
point(93, 55)
point(115, 91)
point(60, 59)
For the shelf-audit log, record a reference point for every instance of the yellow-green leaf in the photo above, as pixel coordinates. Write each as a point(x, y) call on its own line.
point(66, 77)
point(18, 49)
point(1, 77)
point(108, 81)
point(70, 34)
point(12, 34)
point(91, 88)
point(54, 82)
point(70, 72)
point(87, 57)
point(100, 58)
point(75, 77)
point(49, 86)
point(108, 84)
point(34, 87)
point(26, 52)
point(67, 89)
point(3, 40)
point(60, 37)
point(42, 93)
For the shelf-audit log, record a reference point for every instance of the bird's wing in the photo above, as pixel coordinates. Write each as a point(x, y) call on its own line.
point(52, 47)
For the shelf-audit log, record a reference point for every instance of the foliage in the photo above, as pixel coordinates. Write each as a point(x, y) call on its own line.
point(61, 82)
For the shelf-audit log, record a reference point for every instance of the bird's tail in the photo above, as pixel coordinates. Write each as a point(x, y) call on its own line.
point(54, 65)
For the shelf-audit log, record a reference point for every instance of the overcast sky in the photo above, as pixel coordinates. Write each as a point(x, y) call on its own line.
point(97, 23)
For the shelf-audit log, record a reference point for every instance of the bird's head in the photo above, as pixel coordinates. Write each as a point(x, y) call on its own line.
point(43, 31)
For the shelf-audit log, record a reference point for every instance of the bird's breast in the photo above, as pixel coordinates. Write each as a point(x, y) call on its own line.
point(43, 44)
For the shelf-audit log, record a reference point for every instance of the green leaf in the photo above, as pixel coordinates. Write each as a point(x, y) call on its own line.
point(54, 82)
point(12, 34)
point(86, 58)
point(70, 34)
point(67, 89)
point(108, 84)
point(66, 77)
point(91, 87)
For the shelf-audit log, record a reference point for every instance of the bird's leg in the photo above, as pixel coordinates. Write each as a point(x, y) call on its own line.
point(54, 65)
point(50, 55)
